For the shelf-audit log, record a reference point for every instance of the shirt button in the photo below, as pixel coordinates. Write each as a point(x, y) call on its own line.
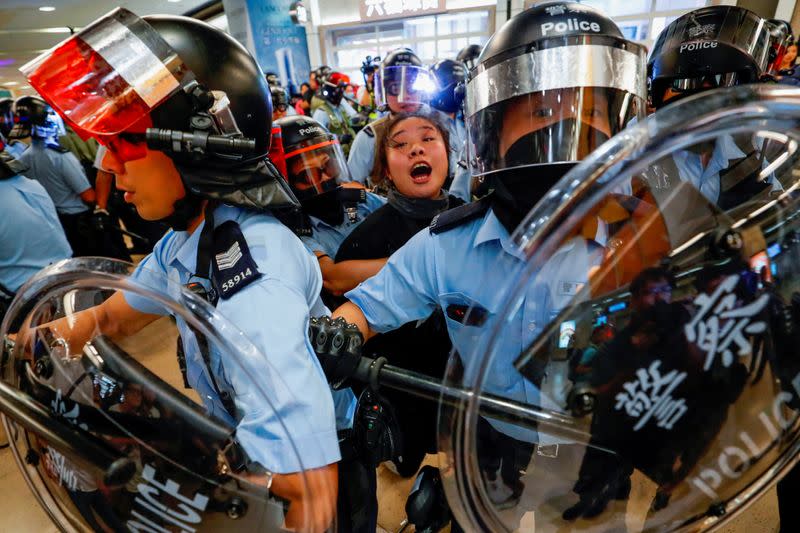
point(531, 325)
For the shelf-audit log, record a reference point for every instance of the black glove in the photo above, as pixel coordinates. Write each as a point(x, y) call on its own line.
point(338, 347)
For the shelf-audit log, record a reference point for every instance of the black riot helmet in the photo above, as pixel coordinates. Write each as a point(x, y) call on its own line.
point(715, 46)
point(320, 73)
point(34, 118)
point(333, 86)
point(315, 163)
point(447, 74)
point(554, 83)
point(272, 79)
point(369, 66)
point(6, 116)
point(186, 88)
point(279, 100)
point(402, 78)
point(469, 54)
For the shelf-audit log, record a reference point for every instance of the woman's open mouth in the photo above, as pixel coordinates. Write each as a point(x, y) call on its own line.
point(421, 173)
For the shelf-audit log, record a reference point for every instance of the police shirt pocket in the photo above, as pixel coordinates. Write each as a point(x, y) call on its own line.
point(467, 320)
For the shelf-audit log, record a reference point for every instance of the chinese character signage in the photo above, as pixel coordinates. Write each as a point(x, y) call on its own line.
point(389, 9)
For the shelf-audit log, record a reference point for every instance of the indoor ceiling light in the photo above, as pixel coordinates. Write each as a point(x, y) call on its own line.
point(11, 83)
point(173, 1)
point(47, 9)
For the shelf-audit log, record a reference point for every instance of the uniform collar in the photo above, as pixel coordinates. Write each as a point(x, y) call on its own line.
point(726, 150)
point(491, 229)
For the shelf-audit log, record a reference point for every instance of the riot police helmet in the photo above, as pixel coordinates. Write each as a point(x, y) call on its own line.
point(318, 75)
point(447, 74)
point(333, 86)
point(402, 83)
point(469, 54)
point(6, 116)
point(715, 46)
point(32, 118)
point(187, 89)
point(272, 79)
point(553, 84)
point(279, 100)
point(314, 158)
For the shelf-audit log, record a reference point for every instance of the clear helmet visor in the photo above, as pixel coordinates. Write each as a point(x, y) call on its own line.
point(108, 76)
point(552, 105)
point(316, 167)
point(123, 429)
point(406, 84)
point(631, 361)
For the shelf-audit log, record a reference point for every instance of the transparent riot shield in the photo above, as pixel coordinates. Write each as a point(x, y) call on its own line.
point(106, 429)
point(632, 361)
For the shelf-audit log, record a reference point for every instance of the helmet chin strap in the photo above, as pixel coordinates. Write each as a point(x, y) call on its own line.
point(185, 211)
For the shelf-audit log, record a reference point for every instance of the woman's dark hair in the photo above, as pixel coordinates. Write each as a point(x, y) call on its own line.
point(306, 85)
point(381, 164)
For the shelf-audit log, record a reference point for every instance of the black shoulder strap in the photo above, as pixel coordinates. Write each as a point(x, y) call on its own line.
point(369, 131)
point(57, 148)
point(452, 218)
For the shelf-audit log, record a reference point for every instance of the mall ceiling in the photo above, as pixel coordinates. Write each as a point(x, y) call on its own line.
point(26, 31)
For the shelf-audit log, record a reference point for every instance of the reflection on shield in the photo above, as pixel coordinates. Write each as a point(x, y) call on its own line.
point(651, 328)
point(104, 429)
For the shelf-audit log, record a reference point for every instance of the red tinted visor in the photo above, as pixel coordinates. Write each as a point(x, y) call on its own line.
point(109, 76)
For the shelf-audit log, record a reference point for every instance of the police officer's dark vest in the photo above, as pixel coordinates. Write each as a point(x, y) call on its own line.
point(339, 125)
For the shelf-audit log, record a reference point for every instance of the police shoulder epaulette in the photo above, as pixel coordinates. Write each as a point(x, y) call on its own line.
point(452, 218)
point(232, 266)
point(58, 148)
point(369, 131)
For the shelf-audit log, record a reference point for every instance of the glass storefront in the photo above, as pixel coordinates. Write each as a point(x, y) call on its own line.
point(432, 37)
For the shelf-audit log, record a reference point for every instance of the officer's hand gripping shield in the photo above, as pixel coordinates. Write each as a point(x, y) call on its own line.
point(105, 429)
point(632, 361)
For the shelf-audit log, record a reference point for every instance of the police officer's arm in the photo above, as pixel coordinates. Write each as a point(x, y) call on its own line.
point(297, 430)
point(114, 318)
point(404, 290)
point(312, 495)
point(338, 278)
point(75, 177)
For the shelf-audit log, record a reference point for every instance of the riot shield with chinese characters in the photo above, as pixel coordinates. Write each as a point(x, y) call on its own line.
point(637, 363)
point(143, 427)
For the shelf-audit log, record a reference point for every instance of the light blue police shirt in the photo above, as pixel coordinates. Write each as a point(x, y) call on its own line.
point(706, 180)
point(16, 148)
point(471, 265)
point(31, 236)
point(327, 239)
point(273, 312)
point(60, 174)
